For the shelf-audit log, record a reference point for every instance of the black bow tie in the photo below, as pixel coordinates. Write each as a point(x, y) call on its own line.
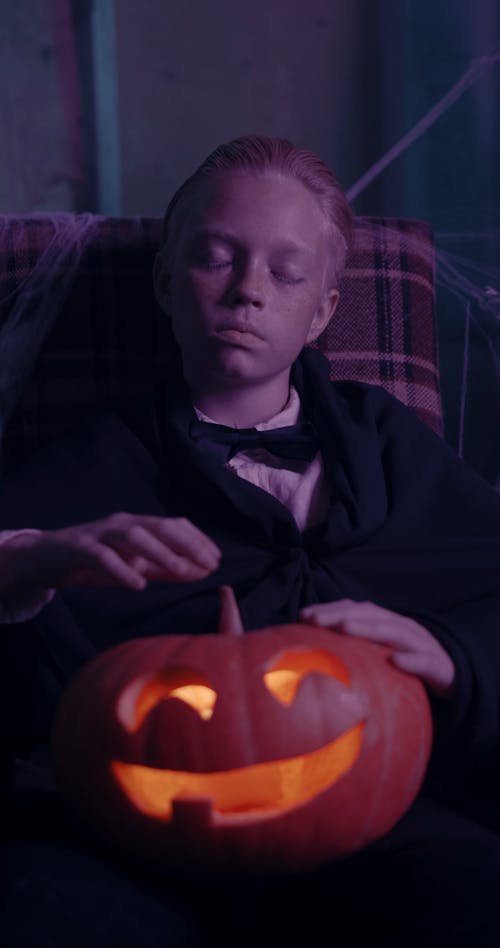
point(295, 441)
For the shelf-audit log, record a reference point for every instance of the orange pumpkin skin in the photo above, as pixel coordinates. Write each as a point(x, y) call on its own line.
point(116, 713)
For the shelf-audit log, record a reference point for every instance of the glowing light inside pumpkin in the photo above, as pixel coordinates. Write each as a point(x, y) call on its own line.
point(199, 697)
point(143, 694)
point(261, 789)
point(286, 674)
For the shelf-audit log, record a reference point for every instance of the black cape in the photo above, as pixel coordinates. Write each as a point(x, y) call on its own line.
point(410, 527)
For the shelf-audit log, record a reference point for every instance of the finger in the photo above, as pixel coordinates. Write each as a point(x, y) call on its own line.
point(438, 673)
point(179, 571)
point(149, 550)
point(351, 624)
point(394, 632)
point(177, 533)
point(173, 568)
point(188, 541)
point(168, 546)
point(326, 612)
point(321, 613)
point(103, 563)
point(376, 624)
point(139, 563)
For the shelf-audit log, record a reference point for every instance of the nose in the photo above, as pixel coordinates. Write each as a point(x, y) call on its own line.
point(247, 287)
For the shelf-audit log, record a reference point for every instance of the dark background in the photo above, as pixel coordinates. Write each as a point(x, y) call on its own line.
point(108, 105)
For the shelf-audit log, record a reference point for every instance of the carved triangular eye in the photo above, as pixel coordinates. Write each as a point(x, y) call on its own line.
point(143, 694)
point(286, 674)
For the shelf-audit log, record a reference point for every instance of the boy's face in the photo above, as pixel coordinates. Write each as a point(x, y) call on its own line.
point(247, 287)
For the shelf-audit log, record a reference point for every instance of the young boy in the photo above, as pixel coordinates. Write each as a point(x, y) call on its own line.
point(366, 523)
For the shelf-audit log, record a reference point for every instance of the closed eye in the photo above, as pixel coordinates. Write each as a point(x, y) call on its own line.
point(207, 264)
point(277, 274)
point(284, 278)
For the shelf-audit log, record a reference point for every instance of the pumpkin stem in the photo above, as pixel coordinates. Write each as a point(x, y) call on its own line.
point(230, 621)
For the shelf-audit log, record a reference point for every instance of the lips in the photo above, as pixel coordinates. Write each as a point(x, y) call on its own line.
point(237, 332)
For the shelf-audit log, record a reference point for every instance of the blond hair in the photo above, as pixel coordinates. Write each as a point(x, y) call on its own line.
point(260, 154)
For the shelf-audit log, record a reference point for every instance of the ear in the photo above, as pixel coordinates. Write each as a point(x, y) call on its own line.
point(161, 282)
point(323, 314)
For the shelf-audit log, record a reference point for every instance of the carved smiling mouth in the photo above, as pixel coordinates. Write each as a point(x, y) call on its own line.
point(260, 790)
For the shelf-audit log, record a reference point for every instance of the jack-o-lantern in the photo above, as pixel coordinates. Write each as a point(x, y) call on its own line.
point(274, 750)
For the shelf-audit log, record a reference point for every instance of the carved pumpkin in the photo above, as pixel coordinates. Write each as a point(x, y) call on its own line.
point(278, 749)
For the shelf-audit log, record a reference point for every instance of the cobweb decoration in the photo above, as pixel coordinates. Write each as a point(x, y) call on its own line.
point(474, 284)
point(39, 283)
point(40, 277)
point(477, 287)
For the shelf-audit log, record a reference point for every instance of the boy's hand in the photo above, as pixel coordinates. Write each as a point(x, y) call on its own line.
point(122, 549)
point(415, 649)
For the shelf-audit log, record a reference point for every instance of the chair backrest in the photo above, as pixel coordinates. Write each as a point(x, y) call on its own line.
point(80, 326)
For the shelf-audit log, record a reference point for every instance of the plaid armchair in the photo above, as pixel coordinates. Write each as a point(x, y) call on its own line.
point(80, 327)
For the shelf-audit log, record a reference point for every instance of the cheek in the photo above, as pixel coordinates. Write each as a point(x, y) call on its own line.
point(195, 294)
point(186, 305)
point(296, 319)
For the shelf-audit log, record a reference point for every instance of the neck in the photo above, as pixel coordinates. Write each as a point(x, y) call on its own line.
point(244, 406)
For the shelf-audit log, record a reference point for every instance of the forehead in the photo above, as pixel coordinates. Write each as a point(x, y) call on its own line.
point(270, 207)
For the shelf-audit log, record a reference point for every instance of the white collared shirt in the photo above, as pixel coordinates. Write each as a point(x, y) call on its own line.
point(299, 485)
